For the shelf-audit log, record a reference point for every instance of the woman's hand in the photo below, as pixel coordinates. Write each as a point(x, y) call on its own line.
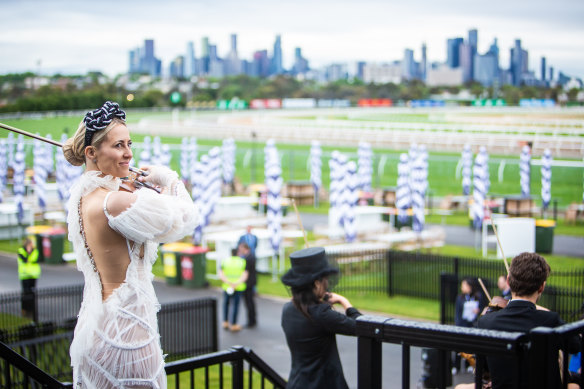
point(158, 175)
point(333, 298)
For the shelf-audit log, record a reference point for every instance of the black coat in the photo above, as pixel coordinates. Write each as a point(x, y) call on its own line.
point(518, 316)
point(313, 345)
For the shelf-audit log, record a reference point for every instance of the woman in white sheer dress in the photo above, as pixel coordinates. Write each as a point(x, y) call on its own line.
point(115, 234)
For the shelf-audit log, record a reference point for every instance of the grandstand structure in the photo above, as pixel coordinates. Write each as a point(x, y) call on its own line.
point(503, 130)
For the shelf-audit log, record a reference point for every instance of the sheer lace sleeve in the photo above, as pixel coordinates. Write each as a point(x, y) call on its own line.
point(157, 217)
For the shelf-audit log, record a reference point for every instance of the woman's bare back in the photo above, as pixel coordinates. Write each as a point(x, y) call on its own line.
point(109, 248)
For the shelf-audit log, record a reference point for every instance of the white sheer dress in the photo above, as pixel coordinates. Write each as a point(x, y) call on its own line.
point(116, 342)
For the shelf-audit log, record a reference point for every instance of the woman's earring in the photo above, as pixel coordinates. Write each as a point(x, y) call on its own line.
point(94, 160)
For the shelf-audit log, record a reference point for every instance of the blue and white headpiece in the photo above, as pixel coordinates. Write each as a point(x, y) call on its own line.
point(100, 118)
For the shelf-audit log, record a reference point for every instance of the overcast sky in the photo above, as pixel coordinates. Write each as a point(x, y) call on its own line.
point(77, 36)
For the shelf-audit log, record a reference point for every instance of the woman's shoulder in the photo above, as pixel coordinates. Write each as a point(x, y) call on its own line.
point(118, 202)
point(320, 309)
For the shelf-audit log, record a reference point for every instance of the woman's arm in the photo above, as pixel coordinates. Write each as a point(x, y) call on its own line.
point(148, 215)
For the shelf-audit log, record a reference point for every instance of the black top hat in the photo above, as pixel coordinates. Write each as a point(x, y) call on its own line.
point(308, 265)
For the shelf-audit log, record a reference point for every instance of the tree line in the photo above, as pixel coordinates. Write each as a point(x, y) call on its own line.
point(81, 92)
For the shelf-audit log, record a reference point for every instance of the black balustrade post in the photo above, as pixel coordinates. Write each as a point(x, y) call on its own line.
point(405, 366)
point(443, 356)
point(389, 275)
point(369, 363)
point(237, 369)
point(479, 368)
point(542, 360)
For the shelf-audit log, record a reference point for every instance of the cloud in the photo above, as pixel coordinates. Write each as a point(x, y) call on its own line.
point(98, 35)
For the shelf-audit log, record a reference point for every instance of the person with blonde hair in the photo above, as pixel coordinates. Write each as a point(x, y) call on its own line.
point(115, 235)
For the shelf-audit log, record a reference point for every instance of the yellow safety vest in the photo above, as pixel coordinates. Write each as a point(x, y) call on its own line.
point(233, 268)
point(28, 267)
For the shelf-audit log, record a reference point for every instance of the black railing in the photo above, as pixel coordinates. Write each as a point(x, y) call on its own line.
point(18, 372)
point(236, 368)
point(417, 274)
point(566, 301)
point(540, 347)
point(52, 305)
point(363, 271)
point(209, 371)
point(187, 328)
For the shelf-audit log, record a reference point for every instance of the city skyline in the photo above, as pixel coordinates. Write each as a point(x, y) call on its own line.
point(42, 37)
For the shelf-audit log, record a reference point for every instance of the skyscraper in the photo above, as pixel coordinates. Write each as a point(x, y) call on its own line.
point(276, 63)
point(233, 64)
point(204, 62)
point(486, 68)
point(543, 69)
point(466, 59)
point(190, 61)
point(473, 40)
point(408, 65)
point(300, 63)
point(453, 52)
point(518, 63)
point(424, 63)
point(216, 64)
point(177, 67)
point(143, 61)
point(261, 64)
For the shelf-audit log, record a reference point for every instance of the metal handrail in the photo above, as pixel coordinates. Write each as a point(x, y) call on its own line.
point(30, 370)
point(540, 346)
point(235, 354)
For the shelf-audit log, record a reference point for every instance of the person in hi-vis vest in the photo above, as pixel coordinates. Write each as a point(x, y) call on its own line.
point(233, 275)
point(29, 271)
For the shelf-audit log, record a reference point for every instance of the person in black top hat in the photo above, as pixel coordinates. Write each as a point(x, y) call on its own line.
point(310, 323)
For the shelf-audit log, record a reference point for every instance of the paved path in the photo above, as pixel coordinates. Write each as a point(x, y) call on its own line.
point(572, 246)
point(267, 339)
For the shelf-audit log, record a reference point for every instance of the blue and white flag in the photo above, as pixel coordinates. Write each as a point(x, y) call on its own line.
point(146, 153)
point(206, 189)
point(418, 190)
point(466, 170)
point(3, 167)
point(316, 168)
point(215, 177)
point(193, 155)
point(61, 174)
point(18, 178)
point(185, 169)
point(274, 182)
point(165, 155)
point(66, 174)
point(40, 163)
point(156, 158)
point(200, 182)
point(351, 198)
point(403, 194)
point(525, 171)
point(546, 178)
point(228, 156)
point(50, 156)
point(343, 188)
point(424, 173)
point(480, 187)
point(365, 158)
point(335, 185)
point(10, 149)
